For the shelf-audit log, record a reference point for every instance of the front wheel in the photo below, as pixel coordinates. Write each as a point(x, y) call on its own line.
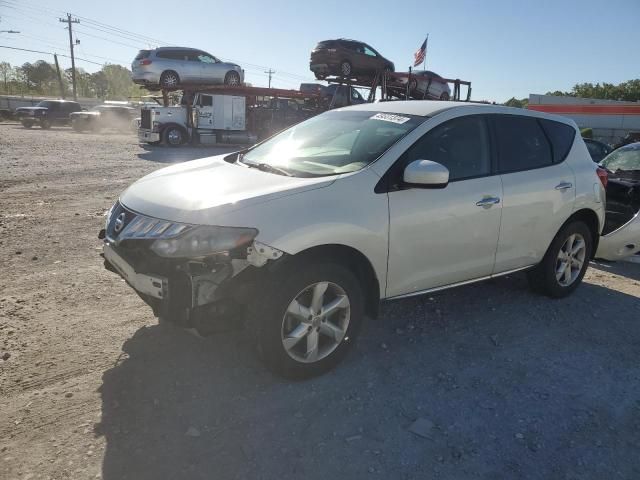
point(444, 96)
point(174, 136)
point(27, 124)
point(565, 262)
point(232, 79)
point(305, 326)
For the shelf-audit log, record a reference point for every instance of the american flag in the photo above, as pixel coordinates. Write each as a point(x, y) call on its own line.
point(420, 53)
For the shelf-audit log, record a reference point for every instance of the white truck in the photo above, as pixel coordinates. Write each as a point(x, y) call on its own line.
point(212, 118)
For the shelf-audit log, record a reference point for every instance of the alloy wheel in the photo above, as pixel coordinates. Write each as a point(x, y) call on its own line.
point(315, 322)
point(233, 79)
point(174, 136)
point(571, 258)
point(170, 80)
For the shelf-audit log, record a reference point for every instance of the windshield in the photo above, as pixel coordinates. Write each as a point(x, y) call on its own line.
point(44, 103)
point(332, 143)
point(625, 158)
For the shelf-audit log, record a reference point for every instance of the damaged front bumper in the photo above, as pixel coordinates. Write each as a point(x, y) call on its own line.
point(208, 293)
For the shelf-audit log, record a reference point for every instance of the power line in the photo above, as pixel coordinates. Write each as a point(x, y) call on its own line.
point(50, 53)
point(127, 35)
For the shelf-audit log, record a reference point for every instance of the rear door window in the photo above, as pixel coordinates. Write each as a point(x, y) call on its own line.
point(522, 144)
point(561, 137)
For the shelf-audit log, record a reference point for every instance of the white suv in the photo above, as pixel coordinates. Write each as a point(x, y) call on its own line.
point(303, 234)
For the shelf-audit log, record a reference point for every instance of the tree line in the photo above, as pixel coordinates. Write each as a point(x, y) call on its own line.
point(111, 82)
point(628, 91)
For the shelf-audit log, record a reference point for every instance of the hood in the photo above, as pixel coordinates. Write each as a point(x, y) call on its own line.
point(31, 109)
point(199, 191)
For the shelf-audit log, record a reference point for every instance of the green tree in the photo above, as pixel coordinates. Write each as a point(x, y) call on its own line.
point(514, 102)
point(6, 73)
point(628, 91)
point(99, 84)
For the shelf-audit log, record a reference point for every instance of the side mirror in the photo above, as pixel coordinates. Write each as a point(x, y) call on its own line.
point(426, 174)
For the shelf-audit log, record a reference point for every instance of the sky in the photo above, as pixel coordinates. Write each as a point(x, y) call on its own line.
point(505, 48)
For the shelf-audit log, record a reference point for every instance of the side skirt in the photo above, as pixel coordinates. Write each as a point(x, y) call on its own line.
point(459, 284)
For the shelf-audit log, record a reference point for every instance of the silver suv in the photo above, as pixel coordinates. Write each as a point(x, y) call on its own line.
point(171, 67)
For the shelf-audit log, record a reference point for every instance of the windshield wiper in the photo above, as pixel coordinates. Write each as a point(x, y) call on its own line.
point(265, 167)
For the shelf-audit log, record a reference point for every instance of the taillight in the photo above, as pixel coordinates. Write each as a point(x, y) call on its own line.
point(146, 61)
point(603, 176)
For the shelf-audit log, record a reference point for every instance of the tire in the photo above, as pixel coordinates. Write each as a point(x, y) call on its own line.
point(444, 96)
point(320, 76)
point(27, 124)
point(174, 136)
point(272, 323)
point(45, 124)
point(346, 70)
point(413, 84)
point(547, 278)
point(169, 79)
point(232, 79)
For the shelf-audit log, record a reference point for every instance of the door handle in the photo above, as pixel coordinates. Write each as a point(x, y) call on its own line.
point(564, 185)
point(488, 202)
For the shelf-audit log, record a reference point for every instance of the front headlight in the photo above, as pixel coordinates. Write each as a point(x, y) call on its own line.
point(108, 219)
point(204, 240)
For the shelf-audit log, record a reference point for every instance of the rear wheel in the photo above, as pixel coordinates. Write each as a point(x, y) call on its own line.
point(345, 68)
point(444, 96)
point(169, 79)
point(174, 136)
point(27, 124)
point(565, 262)
point(45, 124)
point(232, 79)
point(305, 325)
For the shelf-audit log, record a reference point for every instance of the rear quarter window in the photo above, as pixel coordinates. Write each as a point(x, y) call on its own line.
point(143, 54)
point(522, 144)
point(561, 137)
point(328, 44)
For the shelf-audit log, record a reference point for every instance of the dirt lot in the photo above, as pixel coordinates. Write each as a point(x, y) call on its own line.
point(507, 384)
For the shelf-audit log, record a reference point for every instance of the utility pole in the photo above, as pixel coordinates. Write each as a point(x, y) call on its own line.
point(55, 57)
point(270, 72)
point(69, 21)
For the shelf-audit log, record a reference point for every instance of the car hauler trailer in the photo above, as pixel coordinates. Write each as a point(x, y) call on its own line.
point(243, 115)
point(225, 115)
point(400, 86)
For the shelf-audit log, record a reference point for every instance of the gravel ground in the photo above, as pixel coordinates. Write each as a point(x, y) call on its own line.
point(488, 381)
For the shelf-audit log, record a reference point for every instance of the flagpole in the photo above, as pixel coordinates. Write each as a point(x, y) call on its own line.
point(424, 62)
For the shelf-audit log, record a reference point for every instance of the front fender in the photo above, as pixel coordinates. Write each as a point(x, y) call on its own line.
point(348, 212)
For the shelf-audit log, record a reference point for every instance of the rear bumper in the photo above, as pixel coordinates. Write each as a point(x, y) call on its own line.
point(143, 78)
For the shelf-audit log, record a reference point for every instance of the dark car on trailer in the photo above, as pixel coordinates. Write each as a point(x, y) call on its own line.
point(348, 59)
point(48, 113)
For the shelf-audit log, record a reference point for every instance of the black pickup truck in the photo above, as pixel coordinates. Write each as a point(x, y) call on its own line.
point(48, 113)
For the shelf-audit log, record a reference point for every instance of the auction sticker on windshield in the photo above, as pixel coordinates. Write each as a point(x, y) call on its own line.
point(389, 117)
